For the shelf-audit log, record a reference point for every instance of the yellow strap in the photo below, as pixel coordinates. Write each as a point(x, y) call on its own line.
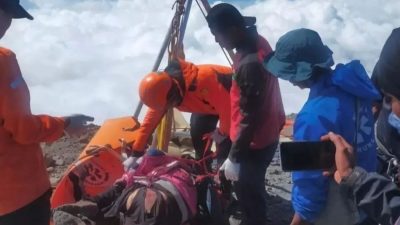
point(164, 131)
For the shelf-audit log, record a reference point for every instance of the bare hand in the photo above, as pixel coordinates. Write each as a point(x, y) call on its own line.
point(297, 220)
point(344, 157)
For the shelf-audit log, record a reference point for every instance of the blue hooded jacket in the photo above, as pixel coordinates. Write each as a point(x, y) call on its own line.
point(331, 106)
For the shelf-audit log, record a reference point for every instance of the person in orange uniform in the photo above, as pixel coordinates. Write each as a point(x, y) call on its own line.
point(202, 90)
point(24, 186)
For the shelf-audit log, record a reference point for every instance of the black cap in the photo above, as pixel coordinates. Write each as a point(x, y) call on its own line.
point(14, 9)
point(226, 15)
point(386, 73)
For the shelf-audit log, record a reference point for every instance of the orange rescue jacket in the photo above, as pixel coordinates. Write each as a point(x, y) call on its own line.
point(206, 91)
point(23, 175)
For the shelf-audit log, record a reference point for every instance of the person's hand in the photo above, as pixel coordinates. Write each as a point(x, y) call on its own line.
point(139, 141)
point(77, 124)
point(132, 163)
point(344, 157)
point(297, 220)
point(231, 170)
point(218, 137)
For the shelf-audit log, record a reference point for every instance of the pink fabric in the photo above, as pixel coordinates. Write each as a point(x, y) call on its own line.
point(153, 168)
point(149, 163)
point(182, 181)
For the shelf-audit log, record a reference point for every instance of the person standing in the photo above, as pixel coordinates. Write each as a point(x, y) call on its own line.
point(376, 195)
point(25, 186)
point(257, 114)
point(385, 78)
point(340, 100)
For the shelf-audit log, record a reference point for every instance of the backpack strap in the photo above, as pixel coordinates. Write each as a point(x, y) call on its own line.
point(161, 170)
point(179, 200)
point(131, 198)
point(380, 145)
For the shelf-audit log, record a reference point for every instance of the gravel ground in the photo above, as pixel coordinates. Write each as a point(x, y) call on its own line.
point(60, 154)
point(279, 186)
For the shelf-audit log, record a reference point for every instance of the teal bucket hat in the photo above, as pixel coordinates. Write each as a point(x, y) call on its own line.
point(296, 54)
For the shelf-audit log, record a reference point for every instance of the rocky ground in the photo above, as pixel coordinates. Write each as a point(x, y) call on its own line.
point(279, 186)
point(61, 154)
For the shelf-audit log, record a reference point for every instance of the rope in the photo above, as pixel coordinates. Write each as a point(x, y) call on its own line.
point(173, 47)
point(164, 131)
point(223, 50)
point(201, 9)
point(204, 173)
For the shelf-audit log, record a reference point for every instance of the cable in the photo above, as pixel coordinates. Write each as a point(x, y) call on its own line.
point(223, 50)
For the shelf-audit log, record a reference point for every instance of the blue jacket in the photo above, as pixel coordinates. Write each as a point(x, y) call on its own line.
point(331, 106)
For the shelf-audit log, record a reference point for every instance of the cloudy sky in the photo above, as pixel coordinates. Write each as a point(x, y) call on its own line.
point(88, 56)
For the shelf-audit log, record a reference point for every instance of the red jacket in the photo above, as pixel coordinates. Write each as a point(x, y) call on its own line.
point(256, 104)
point(206, 91)
point(23, 175)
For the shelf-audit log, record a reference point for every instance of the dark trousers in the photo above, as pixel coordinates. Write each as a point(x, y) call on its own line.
point(201, 124)
point(35, 213)
point(250, 187)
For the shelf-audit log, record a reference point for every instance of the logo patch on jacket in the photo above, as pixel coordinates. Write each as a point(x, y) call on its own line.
point(18, 81)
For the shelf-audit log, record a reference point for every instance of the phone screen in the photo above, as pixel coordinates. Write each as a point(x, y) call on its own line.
point(296, 156)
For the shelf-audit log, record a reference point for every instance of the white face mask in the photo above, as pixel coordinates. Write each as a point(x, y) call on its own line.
point(394, 121)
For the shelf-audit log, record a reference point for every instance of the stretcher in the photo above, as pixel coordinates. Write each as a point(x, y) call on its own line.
point(99, 164)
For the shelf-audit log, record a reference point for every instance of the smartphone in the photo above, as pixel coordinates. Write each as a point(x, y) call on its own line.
point(297, 156)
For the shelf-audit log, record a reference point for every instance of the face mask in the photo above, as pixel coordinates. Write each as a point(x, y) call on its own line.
point(394, 121)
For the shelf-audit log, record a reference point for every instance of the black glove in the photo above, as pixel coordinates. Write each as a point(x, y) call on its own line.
point(77, 124)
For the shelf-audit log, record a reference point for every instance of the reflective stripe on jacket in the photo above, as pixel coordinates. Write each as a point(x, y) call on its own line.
point(23, 173)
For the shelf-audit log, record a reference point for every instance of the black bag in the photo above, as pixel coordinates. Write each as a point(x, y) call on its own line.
point(212, 203)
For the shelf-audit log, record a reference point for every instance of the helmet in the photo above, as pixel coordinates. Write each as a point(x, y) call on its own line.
point(154, 89)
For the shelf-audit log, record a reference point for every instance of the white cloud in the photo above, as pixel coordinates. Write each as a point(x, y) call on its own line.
point(89, 55)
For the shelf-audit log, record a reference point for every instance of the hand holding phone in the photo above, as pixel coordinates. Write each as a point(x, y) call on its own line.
point(297, 156)
point(344, 157)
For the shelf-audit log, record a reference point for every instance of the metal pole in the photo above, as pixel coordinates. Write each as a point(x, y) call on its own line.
point(166, 126)
point(160, 56)
point(207, 7)
point(184, 21)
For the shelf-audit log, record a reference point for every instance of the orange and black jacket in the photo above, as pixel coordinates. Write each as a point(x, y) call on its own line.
point(205, 90)
point(23, 175)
